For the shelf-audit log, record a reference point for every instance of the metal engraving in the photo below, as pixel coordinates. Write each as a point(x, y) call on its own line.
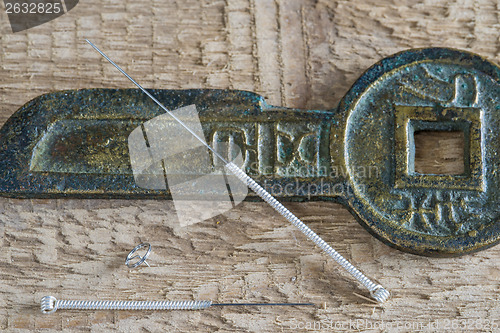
point(361, 154)
point(427, 213)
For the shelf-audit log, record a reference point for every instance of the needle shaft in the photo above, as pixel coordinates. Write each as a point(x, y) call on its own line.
point(156, 101)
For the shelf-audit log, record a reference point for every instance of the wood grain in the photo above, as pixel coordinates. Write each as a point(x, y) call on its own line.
point(296, 53)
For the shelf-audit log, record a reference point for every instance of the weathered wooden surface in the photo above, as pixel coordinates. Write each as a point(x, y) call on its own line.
point(297, 54)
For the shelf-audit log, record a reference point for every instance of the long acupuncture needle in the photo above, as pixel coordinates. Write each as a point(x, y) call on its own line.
point(49, 304)
point(377, 292)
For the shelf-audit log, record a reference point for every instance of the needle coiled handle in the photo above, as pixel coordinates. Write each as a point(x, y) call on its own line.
point(50, 304)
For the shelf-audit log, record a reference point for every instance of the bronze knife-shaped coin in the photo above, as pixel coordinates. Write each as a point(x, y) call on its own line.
point(361, 154)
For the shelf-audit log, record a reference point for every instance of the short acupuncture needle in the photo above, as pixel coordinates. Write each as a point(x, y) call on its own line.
point(377, 292)
point(50, 304)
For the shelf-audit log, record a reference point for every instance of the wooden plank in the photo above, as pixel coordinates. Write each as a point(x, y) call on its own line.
point(300, 53)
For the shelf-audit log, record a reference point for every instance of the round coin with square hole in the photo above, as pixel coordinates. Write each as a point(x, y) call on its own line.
point(410, 92)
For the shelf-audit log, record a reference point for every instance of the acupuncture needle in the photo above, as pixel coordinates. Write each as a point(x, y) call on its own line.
point(377, 292)
point(50, 304)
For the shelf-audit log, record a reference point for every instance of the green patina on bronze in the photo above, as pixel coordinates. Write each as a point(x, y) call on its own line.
point(361, 154)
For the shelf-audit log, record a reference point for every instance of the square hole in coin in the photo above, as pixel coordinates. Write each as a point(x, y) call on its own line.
point(439, 152)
